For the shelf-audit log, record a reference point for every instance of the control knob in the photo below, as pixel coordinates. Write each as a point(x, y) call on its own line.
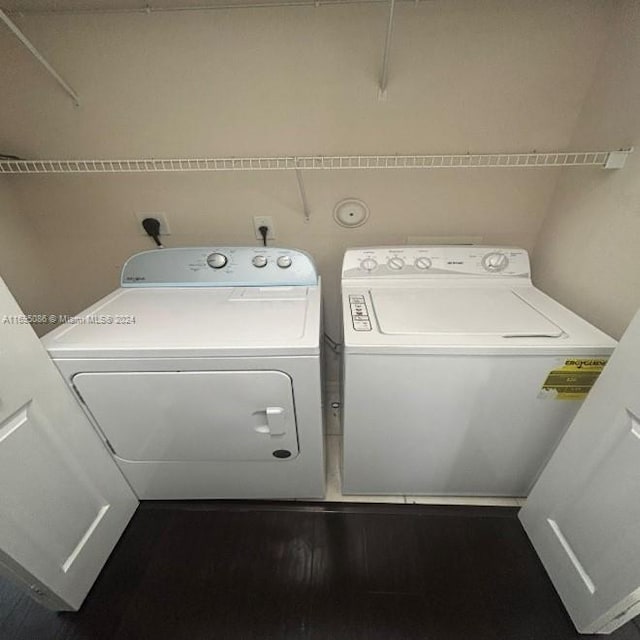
point(395, 263)
point(216, 260)
point(495, 261)
point(284, 262)
point(259, 261)
point(422, 263)
point(368, 264)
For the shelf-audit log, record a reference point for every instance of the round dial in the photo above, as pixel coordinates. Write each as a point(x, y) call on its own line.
point(368, 264)
point(422, 263)
point(395, 263)
point(495, 261)
point(259, 261)
point(216, 260)
point(284, 262)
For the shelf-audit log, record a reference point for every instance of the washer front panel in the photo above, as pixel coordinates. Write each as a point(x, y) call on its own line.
point(448, 425)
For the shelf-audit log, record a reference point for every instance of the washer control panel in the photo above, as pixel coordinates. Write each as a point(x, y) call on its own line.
point(359, 313)
point(219, 267)
point(435, 261)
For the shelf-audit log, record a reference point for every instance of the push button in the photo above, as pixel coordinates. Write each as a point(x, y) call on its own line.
point(362, 325)
point(359, 313)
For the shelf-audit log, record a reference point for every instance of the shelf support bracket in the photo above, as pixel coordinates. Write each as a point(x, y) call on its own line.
point(303, 193)
point(39, 57)
point(617, 159)
point(384, 74)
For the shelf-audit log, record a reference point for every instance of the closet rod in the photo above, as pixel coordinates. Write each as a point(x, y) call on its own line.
point(247, 4)
point(39, 57)
point(605, 159)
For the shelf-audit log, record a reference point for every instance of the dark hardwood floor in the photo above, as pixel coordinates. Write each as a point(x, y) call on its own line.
point(216, 570)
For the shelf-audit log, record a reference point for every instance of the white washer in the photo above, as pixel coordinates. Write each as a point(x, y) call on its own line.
point(202, 373)
point(459, 376)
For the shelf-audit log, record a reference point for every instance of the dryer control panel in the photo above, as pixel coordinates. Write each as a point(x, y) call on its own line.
point(419, 262)
point(219, 267)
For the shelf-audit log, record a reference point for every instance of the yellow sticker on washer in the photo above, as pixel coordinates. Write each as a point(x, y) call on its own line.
point(573, 380)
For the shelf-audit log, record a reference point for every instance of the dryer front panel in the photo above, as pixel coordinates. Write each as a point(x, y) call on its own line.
point(193, 416)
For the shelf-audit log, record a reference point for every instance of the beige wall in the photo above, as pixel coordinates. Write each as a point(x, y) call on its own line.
point(21, 260)
point(587, 253)
point(494, 75)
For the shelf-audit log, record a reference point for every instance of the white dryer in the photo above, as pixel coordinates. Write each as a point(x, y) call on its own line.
point(459, 376)
point(202, 373)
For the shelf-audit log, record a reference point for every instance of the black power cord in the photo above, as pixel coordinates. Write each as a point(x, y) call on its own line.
point(264, 230)
point(152, 227)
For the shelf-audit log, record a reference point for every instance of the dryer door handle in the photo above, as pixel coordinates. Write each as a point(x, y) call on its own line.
point(276, 421)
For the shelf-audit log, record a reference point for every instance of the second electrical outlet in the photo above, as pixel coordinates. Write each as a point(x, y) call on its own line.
point(264, 221)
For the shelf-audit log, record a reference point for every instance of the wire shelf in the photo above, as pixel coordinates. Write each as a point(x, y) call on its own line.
point(441, 161)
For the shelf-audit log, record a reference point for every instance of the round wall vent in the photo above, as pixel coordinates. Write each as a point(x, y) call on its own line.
point(350, 213)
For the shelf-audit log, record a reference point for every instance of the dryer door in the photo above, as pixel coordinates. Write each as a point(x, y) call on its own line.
point(193, 416)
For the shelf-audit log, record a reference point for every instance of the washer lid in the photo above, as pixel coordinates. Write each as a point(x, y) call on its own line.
point(429, 311)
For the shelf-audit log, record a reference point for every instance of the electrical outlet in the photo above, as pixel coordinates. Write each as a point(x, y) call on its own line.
point(264, 221)
point(160, 217)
